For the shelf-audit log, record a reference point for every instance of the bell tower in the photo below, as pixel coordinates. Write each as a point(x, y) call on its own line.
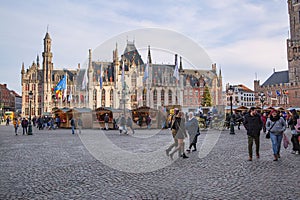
point(293, 43)
point(47, 71)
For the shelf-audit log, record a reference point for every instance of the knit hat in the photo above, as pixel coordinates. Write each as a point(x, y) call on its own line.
point(273, 112)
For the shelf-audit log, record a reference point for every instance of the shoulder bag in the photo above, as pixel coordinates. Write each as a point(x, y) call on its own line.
point(268, 133)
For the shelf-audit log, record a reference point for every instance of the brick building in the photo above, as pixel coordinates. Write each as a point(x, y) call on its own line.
point(283, 88)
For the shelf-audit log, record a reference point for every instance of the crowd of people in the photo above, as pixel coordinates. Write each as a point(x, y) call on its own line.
point(272, 123)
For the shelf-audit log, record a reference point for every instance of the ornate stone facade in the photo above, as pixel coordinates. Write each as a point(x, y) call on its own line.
point(158, 89)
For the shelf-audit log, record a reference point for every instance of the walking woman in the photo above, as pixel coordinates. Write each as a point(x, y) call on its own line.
point(276, 125)
point(179, 125)
point(193, 131)
point(16, 124)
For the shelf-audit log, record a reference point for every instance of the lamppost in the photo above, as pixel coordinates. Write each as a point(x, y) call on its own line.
point(29, 123)
point(230, 93)
point(262, 100)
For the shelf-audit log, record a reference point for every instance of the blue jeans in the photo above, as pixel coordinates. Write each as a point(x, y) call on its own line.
point(276, 142)
point(73, 129)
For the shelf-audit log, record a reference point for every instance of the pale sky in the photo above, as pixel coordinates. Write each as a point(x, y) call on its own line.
point(243, 37)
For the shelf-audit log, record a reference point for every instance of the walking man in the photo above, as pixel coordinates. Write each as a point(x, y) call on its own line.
point(72, 122)
point(106, 120)
point(253, 124)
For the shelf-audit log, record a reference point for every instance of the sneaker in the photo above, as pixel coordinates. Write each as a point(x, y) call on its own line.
point(249, 159)
point(297, 153)
point(188, 150)
point(194, 150)
point(293, 152)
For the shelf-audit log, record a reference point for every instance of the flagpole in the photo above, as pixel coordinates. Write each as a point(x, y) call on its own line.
point(65, 90)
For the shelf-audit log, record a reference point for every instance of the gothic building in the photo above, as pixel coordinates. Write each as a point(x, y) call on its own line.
point(283, 88)
point(125, 82)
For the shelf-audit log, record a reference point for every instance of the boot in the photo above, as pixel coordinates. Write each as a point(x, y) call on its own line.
point(184, 156)
point(275, 157)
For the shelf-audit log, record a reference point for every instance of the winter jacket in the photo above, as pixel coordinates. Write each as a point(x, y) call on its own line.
point(253, 124)
point(279, 126)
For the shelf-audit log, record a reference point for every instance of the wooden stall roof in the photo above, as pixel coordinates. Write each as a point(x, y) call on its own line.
point(144, 109)
point(269, 108)
point(80, 110)
point(62, 110)
point(242, 108)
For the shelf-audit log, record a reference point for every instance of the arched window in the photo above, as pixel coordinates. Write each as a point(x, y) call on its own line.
point(103, 98)
point(134, 96)
point(133, 80)
point(95, 99)
point(144, 97)
point(111, 97)
point(155, 98)
point(162, 97)
point(170, 97)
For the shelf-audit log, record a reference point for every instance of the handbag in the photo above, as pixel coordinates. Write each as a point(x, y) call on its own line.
point(285, 141)
point(268, 133)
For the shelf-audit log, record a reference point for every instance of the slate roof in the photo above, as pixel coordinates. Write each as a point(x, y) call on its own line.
point(277, 78)
point(132, 54)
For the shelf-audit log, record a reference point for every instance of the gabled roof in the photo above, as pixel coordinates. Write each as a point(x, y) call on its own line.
point(244, 88)
point(277, 78)
point(132, 54)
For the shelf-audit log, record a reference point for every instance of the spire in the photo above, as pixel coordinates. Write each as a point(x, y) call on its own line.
point(180, 64)
point(23, 69)
point(149, 55)
point(37, 61)
point(90, 59)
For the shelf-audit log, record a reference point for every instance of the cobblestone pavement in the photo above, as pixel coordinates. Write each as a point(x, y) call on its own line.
point(59, 165)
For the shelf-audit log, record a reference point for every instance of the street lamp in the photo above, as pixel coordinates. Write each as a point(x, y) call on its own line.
point(262, 100)
point(230, 93)
point(29, 123)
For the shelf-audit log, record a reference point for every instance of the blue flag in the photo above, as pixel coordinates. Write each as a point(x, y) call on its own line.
point(101, 81)
point(61, 85)
point(278, 93)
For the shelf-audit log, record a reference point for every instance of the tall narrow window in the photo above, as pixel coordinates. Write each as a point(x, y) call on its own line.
point(155, 98)
point(144, 97)
point(170, 97)
point(162, 97)
point(95, 99)
point(103, 98)
point(111, 97)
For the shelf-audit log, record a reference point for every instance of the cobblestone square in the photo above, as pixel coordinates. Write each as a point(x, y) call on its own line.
point(106, 165)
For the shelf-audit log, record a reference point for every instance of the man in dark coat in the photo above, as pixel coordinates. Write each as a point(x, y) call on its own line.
point(253, 125)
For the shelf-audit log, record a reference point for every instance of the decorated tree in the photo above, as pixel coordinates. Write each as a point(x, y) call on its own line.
point(206, 100)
